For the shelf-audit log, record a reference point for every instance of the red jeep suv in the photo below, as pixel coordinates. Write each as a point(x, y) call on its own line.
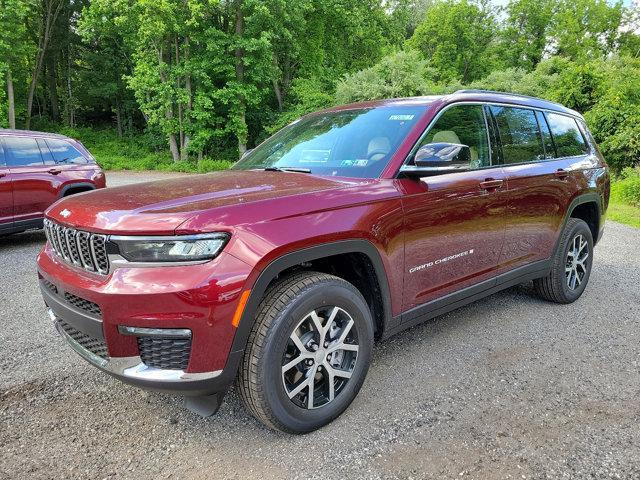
point(36, 169)
point(347, 226)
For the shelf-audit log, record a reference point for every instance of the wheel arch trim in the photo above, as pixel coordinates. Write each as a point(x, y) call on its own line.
point(66, 188)
point(290, 259)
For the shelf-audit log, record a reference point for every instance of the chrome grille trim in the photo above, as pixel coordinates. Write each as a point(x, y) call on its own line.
point(78, 248)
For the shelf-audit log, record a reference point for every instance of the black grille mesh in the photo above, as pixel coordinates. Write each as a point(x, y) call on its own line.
point(169, 353)
point(50, 286)
point(98, 347)
point(82, 304)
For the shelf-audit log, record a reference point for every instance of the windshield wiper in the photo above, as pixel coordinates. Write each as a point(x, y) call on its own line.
point(287, 169)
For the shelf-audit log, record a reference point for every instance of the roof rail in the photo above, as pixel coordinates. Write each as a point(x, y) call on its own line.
point(479, 90)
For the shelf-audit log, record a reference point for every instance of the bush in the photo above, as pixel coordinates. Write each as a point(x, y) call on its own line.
point(402, 74)
point(627, 189)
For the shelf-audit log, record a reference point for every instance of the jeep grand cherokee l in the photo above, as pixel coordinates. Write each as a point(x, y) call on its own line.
point(348, 225)
point(36, 169)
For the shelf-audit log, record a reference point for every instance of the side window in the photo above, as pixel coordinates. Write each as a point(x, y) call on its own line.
point(549, 149)
point(22, 151)
point(46, 154)
point(519, 134)
point(463, 124)
point(566, 135)
point(2, 160)
point(63, 152)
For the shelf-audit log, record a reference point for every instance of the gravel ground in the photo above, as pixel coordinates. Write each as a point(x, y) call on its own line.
point(508, 387)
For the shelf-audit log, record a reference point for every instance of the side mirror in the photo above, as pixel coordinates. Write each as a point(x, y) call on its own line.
point(437, 158)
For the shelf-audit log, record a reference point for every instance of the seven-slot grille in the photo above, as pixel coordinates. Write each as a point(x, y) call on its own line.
point(82, 249)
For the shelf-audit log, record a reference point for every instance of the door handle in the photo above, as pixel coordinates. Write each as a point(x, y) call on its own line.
point(491, 184)
point(561, 173)
point(54, 171)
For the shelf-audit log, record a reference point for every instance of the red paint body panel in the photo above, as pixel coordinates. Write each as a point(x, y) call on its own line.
point(411, 223)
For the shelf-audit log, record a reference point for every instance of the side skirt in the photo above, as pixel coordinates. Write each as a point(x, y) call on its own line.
point(452, 301)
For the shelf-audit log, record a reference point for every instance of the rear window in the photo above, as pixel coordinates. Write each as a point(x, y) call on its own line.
point(519, 134)
point(566, 135)
point(65, 153)
point(22, 151)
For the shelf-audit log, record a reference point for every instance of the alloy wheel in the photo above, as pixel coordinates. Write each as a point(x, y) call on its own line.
point(320, 357)
point(576, 268)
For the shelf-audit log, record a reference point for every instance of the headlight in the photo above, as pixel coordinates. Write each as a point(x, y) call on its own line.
point(181, 248)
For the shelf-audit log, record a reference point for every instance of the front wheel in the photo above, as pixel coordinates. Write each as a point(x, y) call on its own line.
point(308, 353)
point(571, 265)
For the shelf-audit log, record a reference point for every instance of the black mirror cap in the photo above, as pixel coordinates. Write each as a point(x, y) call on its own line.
point(442, 155)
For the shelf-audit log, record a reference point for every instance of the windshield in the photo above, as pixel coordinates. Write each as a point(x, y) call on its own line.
point(349, 143)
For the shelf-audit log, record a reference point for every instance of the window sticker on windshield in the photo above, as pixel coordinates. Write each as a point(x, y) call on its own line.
point(401, 118)
point(363, 162)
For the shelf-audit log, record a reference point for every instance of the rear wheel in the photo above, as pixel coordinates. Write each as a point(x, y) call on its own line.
point(308, 353)
point(571, 265)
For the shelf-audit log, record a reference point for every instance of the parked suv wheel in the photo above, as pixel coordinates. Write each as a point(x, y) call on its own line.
point(571, 265)
point(308, 352)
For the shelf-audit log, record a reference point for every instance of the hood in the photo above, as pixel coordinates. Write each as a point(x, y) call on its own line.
point(160, 207)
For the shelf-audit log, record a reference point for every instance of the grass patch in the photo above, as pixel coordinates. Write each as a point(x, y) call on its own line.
point(623, 213)
point(624, 206)
point(136, 152)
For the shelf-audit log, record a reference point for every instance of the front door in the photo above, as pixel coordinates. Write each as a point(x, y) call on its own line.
point(6, 194)
point(34, 187)
point(455, 222)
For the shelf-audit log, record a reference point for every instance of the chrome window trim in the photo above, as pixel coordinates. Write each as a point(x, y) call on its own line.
point(489, 103)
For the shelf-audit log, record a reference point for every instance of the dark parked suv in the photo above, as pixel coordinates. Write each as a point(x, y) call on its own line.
point(347, 226)
point(37, 169)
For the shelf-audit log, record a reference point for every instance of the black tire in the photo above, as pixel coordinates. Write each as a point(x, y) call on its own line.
point(556, 287)
point(283, 309)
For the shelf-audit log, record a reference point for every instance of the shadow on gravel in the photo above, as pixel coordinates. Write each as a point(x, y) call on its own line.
point(24, 239)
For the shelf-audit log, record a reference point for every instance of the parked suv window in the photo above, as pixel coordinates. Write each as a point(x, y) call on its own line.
point(23, 151)
point(519, 134)
point(566, 135)
point(549, 149)
point(463, 124)
point(64, 152)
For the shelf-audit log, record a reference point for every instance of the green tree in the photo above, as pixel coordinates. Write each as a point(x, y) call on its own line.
point(402, 74)
point(15, 50)
point(456, 36)
point(586, 28)
point(525, 36)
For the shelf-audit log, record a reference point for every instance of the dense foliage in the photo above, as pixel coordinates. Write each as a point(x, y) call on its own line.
point(166, 82)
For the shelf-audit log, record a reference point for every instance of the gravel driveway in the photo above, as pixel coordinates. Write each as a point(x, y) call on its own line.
point(508, 387)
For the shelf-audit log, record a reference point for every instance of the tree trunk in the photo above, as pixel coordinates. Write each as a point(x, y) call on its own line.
point(278, 92)
point(173, 143)
point(119, 120)
point(239, 54)
point(11, 100)
point(173, 146)
point(52, 87)
point(45, 35)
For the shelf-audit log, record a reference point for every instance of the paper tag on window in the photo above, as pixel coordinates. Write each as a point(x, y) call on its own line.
point(402, 118)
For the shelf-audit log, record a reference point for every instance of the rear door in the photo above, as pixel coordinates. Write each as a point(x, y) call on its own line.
point(6, 194)
point(454, 222)
point(34, 187)
point(540, 185)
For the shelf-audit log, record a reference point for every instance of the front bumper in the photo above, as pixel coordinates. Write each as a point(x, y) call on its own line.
point(132, 369)
point(102, 317)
